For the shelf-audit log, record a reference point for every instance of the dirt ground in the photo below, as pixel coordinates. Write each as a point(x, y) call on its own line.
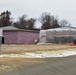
point(5, 49)
point(9, 64)
point(45, 66)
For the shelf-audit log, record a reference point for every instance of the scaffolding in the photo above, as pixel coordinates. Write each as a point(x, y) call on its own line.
point(57, 35)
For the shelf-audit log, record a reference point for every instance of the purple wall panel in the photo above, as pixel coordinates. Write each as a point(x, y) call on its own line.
point(20, 37)
point(27, 37)
point(10, 36)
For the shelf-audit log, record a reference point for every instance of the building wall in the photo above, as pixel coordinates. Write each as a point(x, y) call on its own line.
point(20, 37)
point(57, 35)
point(10, 37)
point(27, 37)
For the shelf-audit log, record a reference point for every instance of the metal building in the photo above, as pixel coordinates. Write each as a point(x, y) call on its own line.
point(14, 35)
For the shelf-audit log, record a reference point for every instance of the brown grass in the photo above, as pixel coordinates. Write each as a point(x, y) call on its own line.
point(12, 63)
point(17, 49)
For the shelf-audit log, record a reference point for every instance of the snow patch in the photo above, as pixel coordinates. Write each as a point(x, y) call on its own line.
point(42, 54)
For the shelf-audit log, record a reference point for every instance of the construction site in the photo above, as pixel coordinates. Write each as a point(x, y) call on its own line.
point(55, 46)
point(58, 35)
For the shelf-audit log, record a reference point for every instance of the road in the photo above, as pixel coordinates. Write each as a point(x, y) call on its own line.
point(51, 66)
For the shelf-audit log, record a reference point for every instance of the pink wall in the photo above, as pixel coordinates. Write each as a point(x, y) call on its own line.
point(10, 35)
point(20, 37)
point(27, 37)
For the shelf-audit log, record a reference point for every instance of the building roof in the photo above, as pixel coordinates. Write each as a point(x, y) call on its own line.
point(62, 28)
point(12, 28)
point(8, 28)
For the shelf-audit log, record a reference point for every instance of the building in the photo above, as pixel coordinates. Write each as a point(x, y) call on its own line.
point(58, 35)
point(18, 36)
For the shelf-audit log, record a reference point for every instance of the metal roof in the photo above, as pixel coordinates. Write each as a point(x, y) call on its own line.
point(8, 28)
point(12, 28)
point(62, 28)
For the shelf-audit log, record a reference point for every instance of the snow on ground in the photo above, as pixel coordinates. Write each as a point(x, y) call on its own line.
point(43, 54)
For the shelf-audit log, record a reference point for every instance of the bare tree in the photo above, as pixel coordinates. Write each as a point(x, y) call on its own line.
point(45, 19)
point(25, 23)
point(21, 23)
point(5, 19)
point(55, 23)
point(31, 23)
point(65, 23)
point(48, 21)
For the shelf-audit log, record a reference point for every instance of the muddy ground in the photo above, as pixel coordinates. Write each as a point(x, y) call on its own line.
point(45, 66)
point(36, 66)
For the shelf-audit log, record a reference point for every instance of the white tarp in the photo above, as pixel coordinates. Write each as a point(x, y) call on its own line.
point(1, 32)
point(57, 35)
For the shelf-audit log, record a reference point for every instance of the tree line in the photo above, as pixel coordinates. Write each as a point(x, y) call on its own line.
point(46, 19)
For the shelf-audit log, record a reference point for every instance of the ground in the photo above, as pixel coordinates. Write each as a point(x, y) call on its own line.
point(13, 63)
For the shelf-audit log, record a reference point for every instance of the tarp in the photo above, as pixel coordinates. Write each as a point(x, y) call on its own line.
point(57, 35)
point(1, 32)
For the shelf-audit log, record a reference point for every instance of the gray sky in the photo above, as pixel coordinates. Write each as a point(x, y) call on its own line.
point(64, 9)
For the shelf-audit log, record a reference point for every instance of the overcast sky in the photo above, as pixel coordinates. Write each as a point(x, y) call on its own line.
point(64, 9)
